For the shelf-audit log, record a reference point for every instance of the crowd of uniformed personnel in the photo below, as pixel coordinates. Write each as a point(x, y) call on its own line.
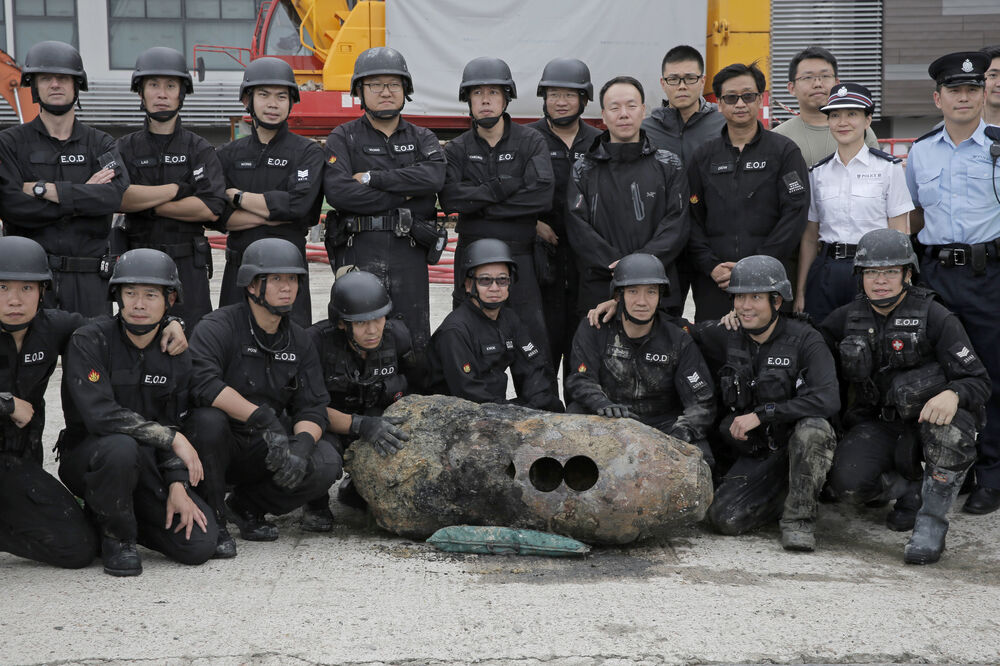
point(870, 382)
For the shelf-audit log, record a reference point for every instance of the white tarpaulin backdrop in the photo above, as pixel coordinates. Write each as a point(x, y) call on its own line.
point(613, 37)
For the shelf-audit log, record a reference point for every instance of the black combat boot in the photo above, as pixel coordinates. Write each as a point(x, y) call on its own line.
point(904, 512)
point(252, 525)
point(120, 557)
point(316, 515)
point(939, 491)
point(225, 545)
point(348, 494)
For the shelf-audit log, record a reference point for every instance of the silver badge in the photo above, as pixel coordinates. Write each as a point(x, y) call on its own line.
point(842, 92)
point(967, 65)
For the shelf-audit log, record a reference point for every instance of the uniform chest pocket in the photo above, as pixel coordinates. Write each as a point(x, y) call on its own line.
point(43, 164)
point(902, 349)
point(867, 190)
point(772, 386)
point(283, 375)
point(158, 385)
point(979, 185)
point(929, 189)
point(827, 192)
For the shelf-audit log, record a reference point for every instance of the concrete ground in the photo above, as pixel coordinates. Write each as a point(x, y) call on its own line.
point(362, 596)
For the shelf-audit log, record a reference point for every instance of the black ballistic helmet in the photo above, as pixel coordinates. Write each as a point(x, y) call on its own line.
point(161, 61)
point(639, 268)
point(23, 259)
point(885, 247)
point(269, 256)
point(486, 71)
point(270, 72)
point(358, 296)
point(488, 251)
point(566, 73)
point(380, 60)
point(146, 266)
point(759, 274)
point(53, 58)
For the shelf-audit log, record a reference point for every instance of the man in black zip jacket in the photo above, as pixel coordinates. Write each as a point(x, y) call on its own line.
point(123, 450)
point(61, 181)
point(499, 180)
point(382, 175)
point(625, 197)
point(177, 188)
point(565, 89)
point(273, 177)
point(749, 193)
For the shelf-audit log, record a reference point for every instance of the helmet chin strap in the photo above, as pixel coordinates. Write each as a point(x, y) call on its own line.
point(55, 109)
point(490, 122)
point(260, 123)
point(162, 116)
point(139, 329)
point(474, 295)
point(888, 300)
point(259, 299)
point(761, 329)
point(13, 328)
point(567, 120)
point(636, 320)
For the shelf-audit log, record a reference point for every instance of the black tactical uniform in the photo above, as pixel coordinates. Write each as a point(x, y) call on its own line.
point(126, 406)
point(74, 232)
point(288, 171)
point(625, 198)
point(753, 201)
point(189, 160)
point(668, 131)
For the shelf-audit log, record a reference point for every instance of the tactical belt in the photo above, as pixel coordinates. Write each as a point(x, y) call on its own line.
point(391, 222)
point(838, 250)
point(960, 254)
point(74, 264)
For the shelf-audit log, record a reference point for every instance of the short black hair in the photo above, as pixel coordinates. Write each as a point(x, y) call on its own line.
point(738, 69)
point(991, 51)
point(811, 52)
point(683, 53)
point(623, 79)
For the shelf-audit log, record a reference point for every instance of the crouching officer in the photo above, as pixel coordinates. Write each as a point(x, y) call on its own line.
point(368, 364)
point(778, 384)
point(273, 177)
point(177, 186)
point(641, 365)
point(475, 344)
point(920, 386)
point(39, 519)
point(258, 377)
point(61, 181)
point(383, 175)
point(123, 450)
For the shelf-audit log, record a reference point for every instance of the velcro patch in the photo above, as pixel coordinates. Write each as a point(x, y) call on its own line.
point(792, 183)
point(962, 353)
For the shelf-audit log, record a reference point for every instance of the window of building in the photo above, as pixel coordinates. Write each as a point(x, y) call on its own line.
point(136, 25)
point(40, 20)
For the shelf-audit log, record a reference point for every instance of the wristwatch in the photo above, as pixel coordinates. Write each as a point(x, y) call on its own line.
point(366, 177)
point(6, 404)
point(238, 200)
point(39, 189)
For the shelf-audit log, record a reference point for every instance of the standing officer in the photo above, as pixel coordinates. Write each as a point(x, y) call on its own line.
point(61, 181)
point(991, 103)
point(123, 451)
point(855, 190)
point(482, 338)
point(624, 197)
point(368, 364)
point(39, 519)
point(382, 176)
point(952, 176)
point(565, 89)
point(259, 380)
point(177, 186)
point(779, 384)
point(749, 192)
point(920, 388)
point(273, 177)
point(642, 365)
point(499, 180)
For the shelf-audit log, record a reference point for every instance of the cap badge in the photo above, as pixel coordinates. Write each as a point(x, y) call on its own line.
point(967, 65)
point(842, 92)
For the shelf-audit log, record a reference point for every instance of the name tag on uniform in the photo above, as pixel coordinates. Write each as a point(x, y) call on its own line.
point(492, 348)
point(618, 352)
point(476, 158)
point(146, 162)
point(556, 154)
point(374, 150)
point(250, 350)
point(404, 147)
point(721, 167)
point(246, 164)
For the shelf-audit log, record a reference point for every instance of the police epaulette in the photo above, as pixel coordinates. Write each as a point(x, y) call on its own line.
point(929, 134)
point(885, 156)
point(823, 161)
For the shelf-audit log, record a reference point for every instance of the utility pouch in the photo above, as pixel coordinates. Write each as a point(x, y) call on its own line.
point(403, 223)
point(202, 255)
point(856, 358)
point(909, 390)
point(544, 260)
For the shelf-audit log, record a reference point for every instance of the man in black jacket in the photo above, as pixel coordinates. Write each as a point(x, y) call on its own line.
point(749, 193)
point(176, 187)
point(383, 175)
point(565, 89)
point(624, 197)
point(61, 181)
point(123, 450)
point(499, 180)
point(273, 177)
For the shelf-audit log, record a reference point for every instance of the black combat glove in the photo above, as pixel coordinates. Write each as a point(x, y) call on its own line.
point(681, 432)
point(296, 465)
point(264, 424)
point(615, 412)
point(381, 431)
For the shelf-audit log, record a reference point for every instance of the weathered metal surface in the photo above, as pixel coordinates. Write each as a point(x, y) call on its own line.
point(595, 479)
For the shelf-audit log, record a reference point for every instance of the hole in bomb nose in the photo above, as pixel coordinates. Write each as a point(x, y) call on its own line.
point(511, 470)
point(580, 473)
point(545, 474)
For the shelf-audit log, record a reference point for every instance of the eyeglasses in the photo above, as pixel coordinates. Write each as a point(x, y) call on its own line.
point(377, 87)
point(689, 79)
point(813, 78)
point(748, 98)
point(889, 273)
point(487, 280)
